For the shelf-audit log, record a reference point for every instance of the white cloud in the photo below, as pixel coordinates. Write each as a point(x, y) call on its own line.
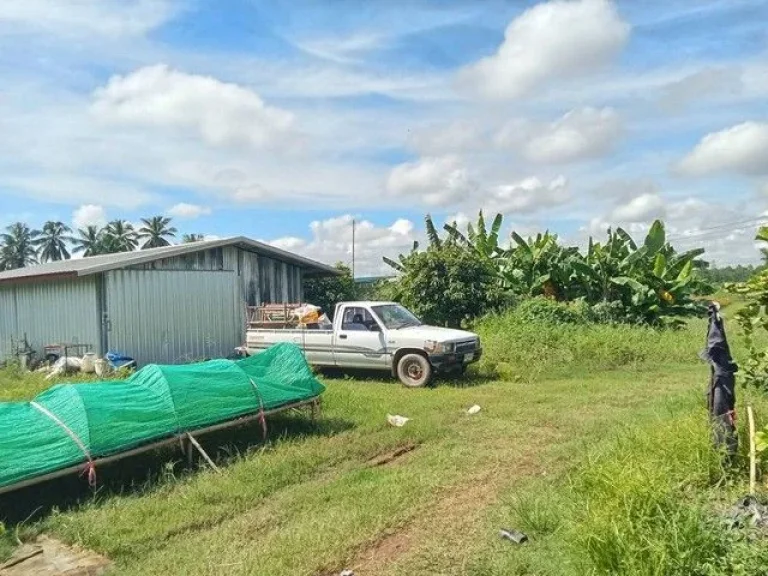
point(68, 189)
point(345, 50)
point(107, 18)
point(579, 134)
point(438, 139)
point(691, 223)
point(707, 82)
point(740, 149)
point(624, 189)
point(551, 40)
point(643, 208)
point(437, 181)
point(331, 241)
point(402, 227)
point(89, 215)
point(460, 219)
point(290, 243)
point(528, 195)
point(188, 211)
point(222, 113)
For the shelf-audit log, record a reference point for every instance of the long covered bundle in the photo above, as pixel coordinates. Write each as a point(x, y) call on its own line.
point(71, 424)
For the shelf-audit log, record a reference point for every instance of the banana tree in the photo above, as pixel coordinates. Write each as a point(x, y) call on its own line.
point(602, 262)
point(479, 238)
point(538, 266)
point(653, 282)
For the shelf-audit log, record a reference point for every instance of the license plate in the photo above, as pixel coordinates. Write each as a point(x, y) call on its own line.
point(469, 357)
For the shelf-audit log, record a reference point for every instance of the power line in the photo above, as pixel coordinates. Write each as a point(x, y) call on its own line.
point(721, 235)
point(702, 232)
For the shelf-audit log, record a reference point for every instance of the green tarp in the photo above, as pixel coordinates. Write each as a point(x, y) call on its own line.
point(157, 402)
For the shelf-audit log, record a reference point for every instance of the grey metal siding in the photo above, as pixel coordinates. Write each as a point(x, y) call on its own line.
point(261, 279)
point(8, 330)
point(248, 269)
point(172, 317)
point(215, 259)
point(50, 312)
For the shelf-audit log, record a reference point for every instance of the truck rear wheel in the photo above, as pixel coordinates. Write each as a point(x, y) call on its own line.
point(414, 371)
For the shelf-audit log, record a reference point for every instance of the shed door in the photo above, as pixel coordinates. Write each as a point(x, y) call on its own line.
point(172, 317)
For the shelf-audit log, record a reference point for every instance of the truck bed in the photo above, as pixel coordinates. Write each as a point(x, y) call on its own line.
point(316, 344)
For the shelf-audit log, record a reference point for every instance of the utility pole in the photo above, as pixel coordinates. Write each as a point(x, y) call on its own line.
point(353, 249)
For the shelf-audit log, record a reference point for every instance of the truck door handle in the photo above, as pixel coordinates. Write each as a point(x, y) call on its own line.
point(343, 336)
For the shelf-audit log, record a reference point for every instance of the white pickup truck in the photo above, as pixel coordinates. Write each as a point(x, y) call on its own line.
point(377, 336)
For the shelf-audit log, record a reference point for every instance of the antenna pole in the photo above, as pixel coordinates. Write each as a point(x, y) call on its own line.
point(353, 249)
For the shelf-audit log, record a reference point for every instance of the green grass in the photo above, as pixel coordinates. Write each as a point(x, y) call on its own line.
point(649, 501)
point(16, 384)
point(516, 350)
point(601, 454)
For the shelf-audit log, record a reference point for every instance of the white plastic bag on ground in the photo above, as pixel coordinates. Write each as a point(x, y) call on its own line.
point(398, 421)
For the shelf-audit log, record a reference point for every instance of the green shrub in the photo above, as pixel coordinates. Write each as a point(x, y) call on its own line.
point(548, 311)
point(610, 313)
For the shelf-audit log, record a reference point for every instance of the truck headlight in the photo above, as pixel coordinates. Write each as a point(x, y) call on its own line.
point(435, 347)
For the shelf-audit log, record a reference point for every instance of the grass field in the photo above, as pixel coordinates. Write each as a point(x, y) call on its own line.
point(593, 440)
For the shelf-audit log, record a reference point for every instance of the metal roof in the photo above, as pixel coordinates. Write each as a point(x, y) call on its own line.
point(104, 263)
point(372, 279)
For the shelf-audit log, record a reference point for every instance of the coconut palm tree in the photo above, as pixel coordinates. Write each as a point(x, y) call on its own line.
point(189, 238)
point(156, 231)
point(17, 247)
point(119, 236)
point(90, 241)
point(52, 242)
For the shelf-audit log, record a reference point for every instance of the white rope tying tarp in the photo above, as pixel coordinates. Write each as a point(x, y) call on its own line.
point(90, 468)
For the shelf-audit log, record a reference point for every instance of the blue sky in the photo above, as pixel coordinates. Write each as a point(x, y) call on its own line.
point(284, 121)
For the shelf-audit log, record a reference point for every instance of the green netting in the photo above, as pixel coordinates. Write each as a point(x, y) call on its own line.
point(155, 403)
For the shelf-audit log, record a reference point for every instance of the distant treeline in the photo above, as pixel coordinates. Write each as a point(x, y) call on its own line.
point(725, 274)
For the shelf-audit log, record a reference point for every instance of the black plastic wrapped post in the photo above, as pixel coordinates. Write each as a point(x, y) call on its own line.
point(721, 396)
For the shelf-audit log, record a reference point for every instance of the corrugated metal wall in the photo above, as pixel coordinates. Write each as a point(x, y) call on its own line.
point(262, 279)
point(8, 319)
point(50, 313)
point(172, 317)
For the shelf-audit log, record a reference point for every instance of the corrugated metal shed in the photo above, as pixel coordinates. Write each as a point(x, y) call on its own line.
point(170, 305)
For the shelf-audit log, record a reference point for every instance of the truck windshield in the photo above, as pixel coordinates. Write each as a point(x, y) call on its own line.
point(394, 316)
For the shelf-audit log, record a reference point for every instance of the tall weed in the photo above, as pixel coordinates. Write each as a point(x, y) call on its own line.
point(643, 504)
point(526, 345)
point(642, 509)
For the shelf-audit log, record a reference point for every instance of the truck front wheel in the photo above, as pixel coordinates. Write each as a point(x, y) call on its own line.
point(414, 371)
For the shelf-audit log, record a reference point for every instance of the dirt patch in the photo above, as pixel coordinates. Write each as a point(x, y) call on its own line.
point(457, 507)
point(456, 512)
point(389, 457)
point(49, 557)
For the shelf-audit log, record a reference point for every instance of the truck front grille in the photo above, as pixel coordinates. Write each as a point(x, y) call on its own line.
point(466, 347)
